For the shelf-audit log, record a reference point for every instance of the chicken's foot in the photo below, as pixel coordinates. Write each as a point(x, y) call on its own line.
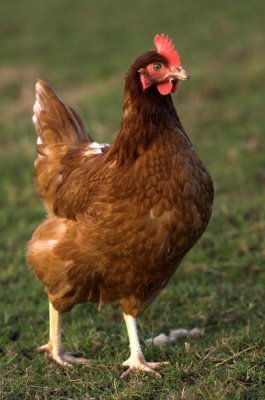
point(136, 362)
point(54, 347)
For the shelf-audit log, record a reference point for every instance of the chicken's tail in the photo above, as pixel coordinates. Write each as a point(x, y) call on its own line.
point(59, 130)
point(54, 122)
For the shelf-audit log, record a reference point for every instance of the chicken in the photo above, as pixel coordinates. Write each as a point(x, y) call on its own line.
point(120, 218)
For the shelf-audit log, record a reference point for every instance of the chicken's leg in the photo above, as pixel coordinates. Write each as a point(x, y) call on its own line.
point(137, 361)
point(54, 347)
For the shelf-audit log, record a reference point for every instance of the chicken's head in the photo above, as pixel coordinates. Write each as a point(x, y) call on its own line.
point(167, 71)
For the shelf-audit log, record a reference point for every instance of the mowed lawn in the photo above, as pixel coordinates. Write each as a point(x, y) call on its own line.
point(83, 50)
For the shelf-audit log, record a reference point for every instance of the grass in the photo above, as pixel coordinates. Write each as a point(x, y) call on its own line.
point(83, 50)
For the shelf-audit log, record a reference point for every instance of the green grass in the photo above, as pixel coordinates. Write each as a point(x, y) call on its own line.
point(83, 49)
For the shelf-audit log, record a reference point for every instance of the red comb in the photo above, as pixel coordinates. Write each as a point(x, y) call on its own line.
point(164, 46)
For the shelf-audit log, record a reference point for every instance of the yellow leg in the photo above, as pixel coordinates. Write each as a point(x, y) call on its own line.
point(54, 346)
point(137, 362)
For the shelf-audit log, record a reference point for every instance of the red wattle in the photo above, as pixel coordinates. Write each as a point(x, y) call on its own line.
point(175, 86)
point(165, 88)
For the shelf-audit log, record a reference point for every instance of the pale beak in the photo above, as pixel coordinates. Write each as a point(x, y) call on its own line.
point(179, 73)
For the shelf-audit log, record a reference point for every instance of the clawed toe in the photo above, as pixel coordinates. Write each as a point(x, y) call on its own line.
point(60, 359)
point(72, 359)
point(45, 347)
point(155, 365)
point(142, 366)
point(64, 358)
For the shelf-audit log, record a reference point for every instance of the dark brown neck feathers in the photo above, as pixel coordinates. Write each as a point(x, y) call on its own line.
point(145, 114)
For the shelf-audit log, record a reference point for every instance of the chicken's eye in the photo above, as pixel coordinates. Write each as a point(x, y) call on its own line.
point(157, 67)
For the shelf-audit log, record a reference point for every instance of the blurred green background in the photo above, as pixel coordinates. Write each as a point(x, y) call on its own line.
point(83, 50)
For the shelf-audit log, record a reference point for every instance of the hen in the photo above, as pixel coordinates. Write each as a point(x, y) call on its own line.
point(120, 218)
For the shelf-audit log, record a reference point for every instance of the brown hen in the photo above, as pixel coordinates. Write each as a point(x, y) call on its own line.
point(120, 218)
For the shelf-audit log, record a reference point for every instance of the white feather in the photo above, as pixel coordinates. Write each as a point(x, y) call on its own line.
point(96, 145)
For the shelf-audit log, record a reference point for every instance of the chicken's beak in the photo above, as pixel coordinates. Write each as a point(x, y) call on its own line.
point(179, 73)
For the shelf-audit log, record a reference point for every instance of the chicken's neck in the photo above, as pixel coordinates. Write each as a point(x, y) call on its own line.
point(146, 116)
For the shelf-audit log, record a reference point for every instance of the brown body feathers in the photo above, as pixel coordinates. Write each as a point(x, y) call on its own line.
point(119, 218)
